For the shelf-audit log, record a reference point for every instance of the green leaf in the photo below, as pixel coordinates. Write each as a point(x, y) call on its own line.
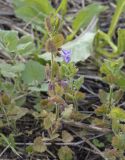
point(68, 70)
point(103, 39)
point(67, 112)
point(121, 41)
point(86, 14)
point(33, 11)
point(121, 80)
point(66, 136)
point(15, 112)
point(117, 114)
point(118, 141)
point(62, 7)
point(49, 120)
point(78, 82)
point(113, 72)
point(25, 46)
point(8, 40)
point(10, 142)
point(81, 48)
point(34, 72)
point(42, 88)
point(29, 149)
point(6, 70)
point(38, 145)
point(112, 66)
point(11, 71)
point(18, 67)
point(97, 143)
point(65, 153)
point(118, 11)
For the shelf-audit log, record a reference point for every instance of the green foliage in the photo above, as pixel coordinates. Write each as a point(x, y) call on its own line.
point(105, 39)
point(33, 72)
point(85, 15)
point(24, 74)
point(102, 40)
point(117, 114)
point(97, 143)
point(25, 46)
point(66, 136)
point(118, 141)
point(10, 42)
point(81, 48)
point(38, 145)
point(66, 114)
point(78, 82)
point(113, 72)
point(33, 12)
point(11, 71)
point(9, 141)
point(49, 120)
point(105, 98)
point(16, 112)
point(62, 7)
point(68, 70)
point(65, 153)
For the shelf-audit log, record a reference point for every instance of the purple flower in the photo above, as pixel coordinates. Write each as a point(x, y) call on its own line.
point(66, 54)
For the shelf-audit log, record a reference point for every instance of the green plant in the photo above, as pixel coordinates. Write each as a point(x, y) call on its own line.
point(105, 39)
point(27, 71)
point(113, 75)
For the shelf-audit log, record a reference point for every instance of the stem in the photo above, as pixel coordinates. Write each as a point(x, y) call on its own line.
point(110, 96)
point(57, 111)
point(52, 62)
point(75, 103)
point(4, 111)
point(115, 18)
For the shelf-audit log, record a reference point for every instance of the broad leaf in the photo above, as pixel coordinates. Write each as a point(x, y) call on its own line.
point(118, 141)
point(34, 72)
point(8, 40)
point(66, 136)
point(112, 66)
point(65, 153)
point(25, 46)
point(15, 112)
point(81, 48)
point(11, 71)
point(33, 11)
point(49, 120)
point(117, 114)
point(113, 71)
point(66, 114)
point(38, 145)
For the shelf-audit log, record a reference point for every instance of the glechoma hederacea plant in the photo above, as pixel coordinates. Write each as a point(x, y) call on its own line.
point(55, 73)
